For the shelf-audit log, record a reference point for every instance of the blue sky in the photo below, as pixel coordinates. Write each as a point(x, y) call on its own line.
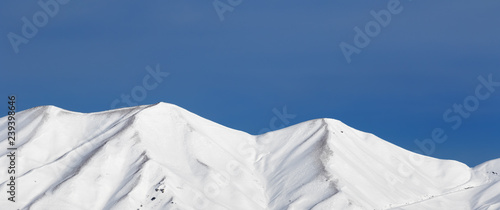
point(267, 55)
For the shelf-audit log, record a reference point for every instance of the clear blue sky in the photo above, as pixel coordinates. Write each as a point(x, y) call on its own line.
point(266, 55)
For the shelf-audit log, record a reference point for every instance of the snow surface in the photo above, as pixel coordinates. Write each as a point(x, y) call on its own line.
point(164, 157)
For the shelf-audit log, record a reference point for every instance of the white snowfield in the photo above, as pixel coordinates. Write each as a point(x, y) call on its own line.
point(164, 157)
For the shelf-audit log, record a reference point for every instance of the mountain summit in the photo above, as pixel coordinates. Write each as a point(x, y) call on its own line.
point(164, 157)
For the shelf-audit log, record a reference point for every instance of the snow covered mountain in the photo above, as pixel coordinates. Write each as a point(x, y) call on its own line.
point(164, 157)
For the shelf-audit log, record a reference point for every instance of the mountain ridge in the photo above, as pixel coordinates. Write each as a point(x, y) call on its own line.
point(162, 156)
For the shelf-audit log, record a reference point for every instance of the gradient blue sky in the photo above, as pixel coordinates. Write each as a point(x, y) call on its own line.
point(266, 55)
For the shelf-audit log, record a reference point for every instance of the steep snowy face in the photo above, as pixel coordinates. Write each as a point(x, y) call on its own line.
point(330, 165)
point(164, 157)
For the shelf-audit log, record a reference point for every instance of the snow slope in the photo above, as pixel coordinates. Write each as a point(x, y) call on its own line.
point(164, 157)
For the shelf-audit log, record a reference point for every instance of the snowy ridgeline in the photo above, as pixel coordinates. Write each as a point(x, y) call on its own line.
point(164, 157)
